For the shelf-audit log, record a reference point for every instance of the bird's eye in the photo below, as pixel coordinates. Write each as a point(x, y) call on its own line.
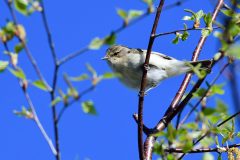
point(116, 53)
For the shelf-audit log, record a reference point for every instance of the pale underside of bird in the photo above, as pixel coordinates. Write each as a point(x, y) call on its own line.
point(128, 63)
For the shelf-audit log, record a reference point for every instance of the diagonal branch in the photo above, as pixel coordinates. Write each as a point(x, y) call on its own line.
point(34, 113)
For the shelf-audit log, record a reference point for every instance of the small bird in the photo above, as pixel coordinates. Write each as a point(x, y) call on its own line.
point(128, 63)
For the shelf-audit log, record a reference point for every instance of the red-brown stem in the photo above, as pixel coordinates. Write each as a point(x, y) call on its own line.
point(144, 81)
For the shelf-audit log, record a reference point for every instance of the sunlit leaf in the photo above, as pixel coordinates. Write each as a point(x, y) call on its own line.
point(123, 14)
point(3, 65)
point(208, 156)
point(21, 6)
point(206, 32)
point(40, 84)
point(208, 19)
point(79, 78)
point(18, 48)
point(56, 101)
point(96, 43)
point(88, 107)
point(18, 73)
point(109, 75)
point(73, 92)
point(134, 14)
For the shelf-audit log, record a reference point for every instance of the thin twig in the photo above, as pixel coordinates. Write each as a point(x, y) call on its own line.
point(182, 30)
point(55, 75)
point(202, 150)
point(144, 81)
point(22, 41)
point(33, 110)
point(49, 35)
point(174, 108)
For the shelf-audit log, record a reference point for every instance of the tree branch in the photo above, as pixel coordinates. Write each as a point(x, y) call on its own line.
point(55, 76)
point(182, 30)
point(202, 150)
point(144, 81)
point(33, 110)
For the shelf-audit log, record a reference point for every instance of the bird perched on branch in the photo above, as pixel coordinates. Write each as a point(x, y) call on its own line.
point(128, 64)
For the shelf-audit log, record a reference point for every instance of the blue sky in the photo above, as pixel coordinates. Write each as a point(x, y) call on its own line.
point(112, 134)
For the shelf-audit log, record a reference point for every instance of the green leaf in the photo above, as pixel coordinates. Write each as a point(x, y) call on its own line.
point(73, 92)
point(209, 111)
point(123, 14)
point(175, 40)
point(219, 157)
point(40, 84)
point(3, 65)
point(170, 157)
point(56, 101)
point(187, 18)
point(199, 15)
point(109, 75)
point(191, 12)
point(88, 107)
point(18, 73)
point(192, 126)
point(206, 32)
point(148, 2)
point(221, 107)
point(21, 6)
point(185, 36)
point(18, 48)
point(188, 145)
point(208, 156)
point(110, 40)
point(227, 12)
point(217, 89)
point(207, 141)
point(158, 148)
point(234, 50)
point(208, 19)
point(134, 14)
point(79, 78)
point(200, 92)
point(96, 43)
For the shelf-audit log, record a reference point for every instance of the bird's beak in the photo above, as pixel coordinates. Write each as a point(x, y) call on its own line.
point(105, 58)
